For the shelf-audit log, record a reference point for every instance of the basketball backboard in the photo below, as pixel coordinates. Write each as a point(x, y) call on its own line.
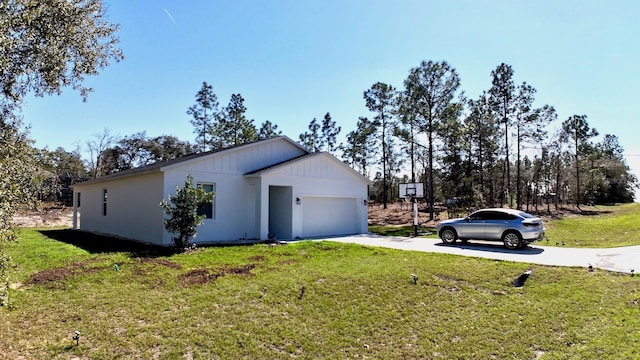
point(411, 190)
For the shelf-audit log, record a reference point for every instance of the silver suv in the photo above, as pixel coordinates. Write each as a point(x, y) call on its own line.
point(514, 228)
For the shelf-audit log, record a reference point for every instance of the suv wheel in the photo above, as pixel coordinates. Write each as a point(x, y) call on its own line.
point(448, 235)
point(512, 240)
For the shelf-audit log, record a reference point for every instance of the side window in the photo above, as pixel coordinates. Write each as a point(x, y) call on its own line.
point(488, 215)
point(104, 202)
point(501, 216)
point(208, 209)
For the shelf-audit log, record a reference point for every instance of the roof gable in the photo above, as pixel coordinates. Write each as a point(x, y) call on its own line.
point(320, 164)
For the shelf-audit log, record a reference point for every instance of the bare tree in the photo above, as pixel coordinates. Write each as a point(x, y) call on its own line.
point(97, 145)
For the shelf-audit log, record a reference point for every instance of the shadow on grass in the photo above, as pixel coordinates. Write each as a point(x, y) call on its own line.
point(494, 247)
point(97, 244)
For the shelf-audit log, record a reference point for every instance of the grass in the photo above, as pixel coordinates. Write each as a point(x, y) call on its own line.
point(304, 300)
point(613, 226)
point(610, 226)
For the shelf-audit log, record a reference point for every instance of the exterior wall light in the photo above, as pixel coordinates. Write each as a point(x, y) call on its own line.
point(298, 201)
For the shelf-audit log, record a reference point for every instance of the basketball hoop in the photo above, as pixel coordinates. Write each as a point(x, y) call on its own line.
point(411, 190)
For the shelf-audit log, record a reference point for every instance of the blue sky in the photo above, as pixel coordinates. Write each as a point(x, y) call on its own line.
point(296, 60)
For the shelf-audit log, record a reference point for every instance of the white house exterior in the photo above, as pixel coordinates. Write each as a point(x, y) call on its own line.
point(263, 189)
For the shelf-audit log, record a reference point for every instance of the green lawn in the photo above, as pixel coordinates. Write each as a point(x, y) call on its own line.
point(304, 300)
point(613, 226)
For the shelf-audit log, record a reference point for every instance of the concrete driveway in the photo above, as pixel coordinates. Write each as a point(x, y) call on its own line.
point(622, 259)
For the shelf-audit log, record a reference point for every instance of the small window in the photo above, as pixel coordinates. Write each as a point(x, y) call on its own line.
point(498, 215)
point(208, 209)
point(480, 215)
point(104, 202)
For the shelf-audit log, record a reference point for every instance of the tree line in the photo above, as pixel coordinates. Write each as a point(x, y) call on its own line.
point(494, 150)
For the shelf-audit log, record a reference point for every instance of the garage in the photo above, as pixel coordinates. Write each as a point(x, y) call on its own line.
point(329, 215)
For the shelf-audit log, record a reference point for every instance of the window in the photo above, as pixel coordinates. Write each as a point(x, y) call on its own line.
point(208, 209)
point(104, 202)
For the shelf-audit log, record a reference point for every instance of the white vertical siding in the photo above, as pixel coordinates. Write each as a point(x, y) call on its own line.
point(238, 215)
point(242, 202)
point(133, 209)
point(315, 177)
point(234, 205)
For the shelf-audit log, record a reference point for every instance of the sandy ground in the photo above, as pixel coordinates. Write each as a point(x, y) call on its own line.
point(54, 216)
point(400, 214)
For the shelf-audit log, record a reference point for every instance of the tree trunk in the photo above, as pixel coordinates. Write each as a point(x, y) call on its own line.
point(518, 191)
point(384, 165)
point(431, 215)
point(507, 181)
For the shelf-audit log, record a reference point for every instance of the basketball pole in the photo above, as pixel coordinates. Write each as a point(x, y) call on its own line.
point(415, 216)
point(410, 191)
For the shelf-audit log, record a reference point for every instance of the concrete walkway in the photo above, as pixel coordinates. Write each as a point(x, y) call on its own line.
point(622, 259)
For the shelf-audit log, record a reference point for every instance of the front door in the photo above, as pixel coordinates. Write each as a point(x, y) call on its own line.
point(280, 212)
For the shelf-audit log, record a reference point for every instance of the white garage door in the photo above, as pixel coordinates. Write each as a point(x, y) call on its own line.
point(324, 216)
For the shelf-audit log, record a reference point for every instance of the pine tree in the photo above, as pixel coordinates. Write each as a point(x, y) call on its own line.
point(329, 133)
point(205, 115)
point(430, 88)
point(311, 139)
point(235, 128)
point(380, 99)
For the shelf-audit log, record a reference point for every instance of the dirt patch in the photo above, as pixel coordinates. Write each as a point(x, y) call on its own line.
point(204, 276)
point(197, 277)
point(52, 278)
point(48, 217)
point(400, 213)
point(161, 262)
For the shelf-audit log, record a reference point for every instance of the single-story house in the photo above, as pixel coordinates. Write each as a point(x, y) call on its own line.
point(265, 189)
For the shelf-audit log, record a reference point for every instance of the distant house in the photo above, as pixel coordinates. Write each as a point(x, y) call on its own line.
point(263, 189)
